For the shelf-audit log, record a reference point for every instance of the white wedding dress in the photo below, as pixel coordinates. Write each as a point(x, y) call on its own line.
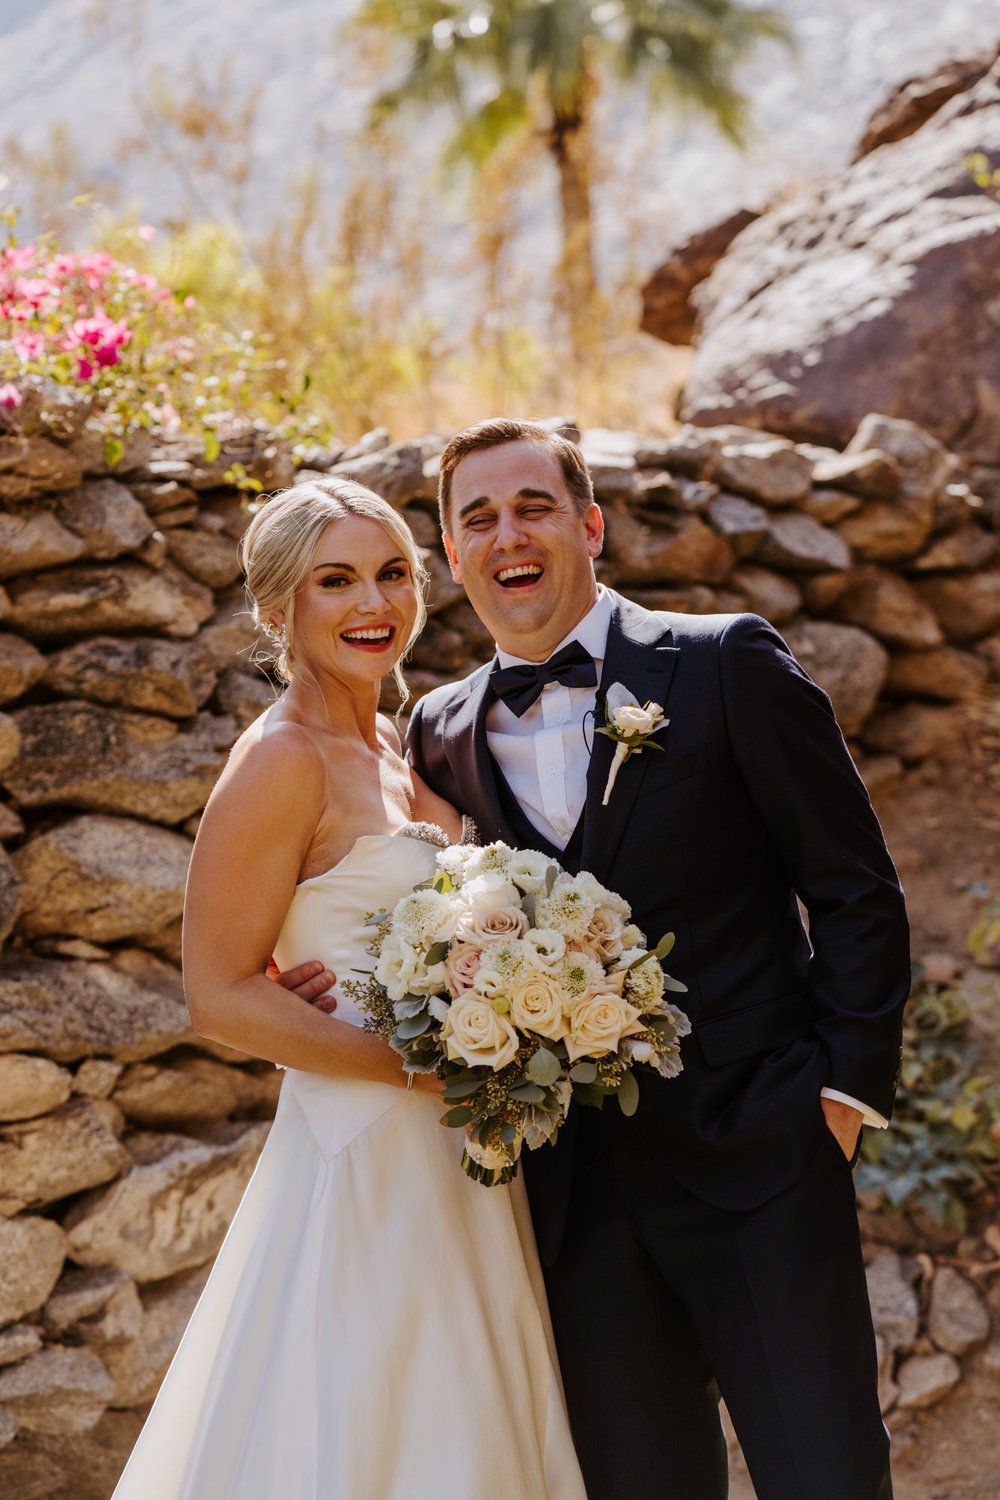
point(374, 1327)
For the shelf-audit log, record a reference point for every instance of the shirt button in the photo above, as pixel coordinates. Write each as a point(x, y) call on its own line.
point(550, 770)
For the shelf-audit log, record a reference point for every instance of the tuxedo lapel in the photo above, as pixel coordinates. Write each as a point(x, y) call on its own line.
point(640, 656)
point(472, 763)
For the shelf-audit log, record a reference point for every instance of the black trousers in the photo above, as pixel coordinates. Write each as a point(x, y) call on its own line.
point(661, 1302)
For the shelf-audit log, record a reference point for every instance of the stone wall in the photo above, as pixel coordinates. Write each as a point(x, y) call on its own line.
point(126, 1141)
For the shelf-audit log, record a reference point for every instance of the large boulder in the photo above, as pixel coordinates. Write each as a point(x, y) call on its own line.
point(107, 760)
point(32, 1251)
point(57, 1391)
point(102, 878)
point(128, 1009)
point(87, 600)
point(171, 1209)
point(870, 292)
point(160, 677)
point(64, 1152)
point(846, 662)
point(667, 312)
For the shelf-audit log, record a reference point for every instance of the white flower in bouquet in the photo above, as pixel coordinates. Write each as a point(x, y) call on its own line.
point(637, 1050)
point(536, 1004)
point(547, 944)
point(425, 917)
point(455, 860)
point(397, 966)
point(461, 966)
point(480, 896)
point(491, 859)
point(430, 979)
point(600, 895)
point(644, 985)
point(578, 972)
point(528, 869)
point(476, 1034)
point(597, 1023)
point(566, 908)
point(633, 937)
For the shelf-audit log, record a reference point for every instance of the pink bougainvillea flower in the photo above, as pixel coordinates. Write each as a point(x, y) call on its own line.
point(147, 232)
point(10, 397)
point(84, 368)
point(31, 345)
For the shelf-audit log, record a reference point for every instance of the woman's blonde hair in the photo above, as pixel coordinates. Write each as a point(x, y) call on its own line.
point(278, 546)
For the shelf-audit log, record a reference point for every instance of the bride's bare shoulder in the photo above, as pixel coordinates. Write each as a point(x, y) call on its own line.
point(276, 751)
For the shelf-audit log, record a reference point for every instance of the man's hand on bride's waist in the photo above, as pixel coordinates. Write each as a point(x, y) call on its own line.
point(310, 981)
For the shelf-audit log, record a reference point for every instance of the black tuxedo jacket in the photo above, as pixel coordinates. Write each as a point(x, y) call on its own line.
point(754, 806)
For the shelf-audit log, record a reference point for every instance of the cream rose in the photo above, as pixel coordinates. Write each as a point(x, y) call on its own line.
point(474, 1033)
point(462, 965)
point(604, 935)
point(598, 1022)
point(536, 1004)
point(501, 922)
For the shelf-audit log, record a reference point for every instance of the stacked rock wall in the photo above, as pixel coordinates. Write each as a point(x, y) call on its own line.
point(126, 1141)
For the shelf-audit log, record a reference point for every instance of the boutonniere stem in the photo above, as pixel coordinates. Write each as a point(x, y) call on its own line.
point(631, 727)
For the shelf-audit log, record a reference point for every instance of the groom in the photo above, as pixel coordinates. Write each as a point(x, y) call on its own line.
point(710, 1242)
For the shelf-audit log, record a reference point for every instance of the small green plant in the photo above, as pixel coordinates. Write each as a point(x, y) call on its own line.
point(943, 1147)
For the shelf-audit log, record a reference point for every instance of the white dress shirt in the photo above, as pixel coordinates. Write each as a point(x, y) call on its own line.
point(544, 755)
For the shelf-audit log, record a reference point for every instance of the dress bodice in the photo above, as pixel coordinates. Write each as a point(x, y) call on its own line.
point(326, 919)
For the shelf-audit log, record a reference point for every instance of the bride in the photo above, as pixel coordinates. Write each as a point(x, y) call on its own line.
point(374, 1327)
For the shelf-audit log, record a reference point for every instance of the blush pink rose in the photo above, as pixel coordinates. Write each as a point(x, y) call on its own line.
point(462, 966)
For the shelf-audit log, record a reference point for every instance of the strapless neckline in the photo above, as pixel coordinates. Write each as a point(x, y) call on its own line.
point(427, 833)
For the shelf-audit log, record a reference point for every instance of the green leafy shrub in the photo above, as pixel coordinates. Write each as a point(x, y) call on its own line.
point(943, 1147)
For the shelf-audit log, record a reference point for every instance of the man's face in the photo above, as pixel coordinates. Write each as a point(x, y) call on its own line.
point(518, 544)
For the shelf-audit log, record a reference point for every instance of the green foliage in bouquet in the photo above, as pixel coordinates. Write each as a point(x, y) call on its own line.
point(943, 1147)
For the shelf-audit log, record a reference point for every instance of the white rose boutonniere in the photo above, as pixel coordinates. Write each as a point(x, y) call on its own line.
point(631, 727)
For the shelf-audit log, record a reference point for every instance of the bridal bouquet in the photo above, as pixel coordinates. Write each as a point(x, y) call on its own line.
point(522, 987)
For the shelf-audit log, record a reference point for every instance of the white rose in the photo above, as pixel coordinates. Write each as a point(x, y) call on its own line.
point(481, 896)
point(600, 895)
point(429, 980)
point(474, 1033)
point(633, 720)
point(597, 1023)
point(633, 937)
point(536, 1004)
point(397, 966)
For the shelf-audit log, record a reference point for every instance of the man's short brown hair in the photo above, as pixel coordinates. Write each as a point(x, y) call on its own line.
point(499, 430)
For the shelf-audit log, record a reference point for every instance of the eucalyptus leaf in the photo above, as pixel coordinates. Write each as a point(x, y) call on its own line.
point(589, 1094)
point(665, 945)
point(463, 1088)
point(551, 876)
point(628, 1095)
point(437, 953)
point(460, 1115)
point(583, 1072)
point(674, 985)
point(543, 1067)
point(410, 1005)
point(527, 1093)
point(376, 918)
point(508, 1134)
point(412, 1026)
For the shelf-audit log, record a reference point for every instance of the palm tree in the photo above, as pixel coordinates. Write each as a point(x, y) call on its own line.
point(543, 60)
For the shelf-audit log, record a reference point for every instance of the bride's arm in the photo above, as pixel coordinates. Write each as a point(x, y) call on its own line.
point(253, 836)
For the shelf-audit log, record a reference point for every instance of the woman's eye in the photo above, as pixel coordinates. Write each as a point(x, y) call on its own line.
point(331, 581)
point(393, 574)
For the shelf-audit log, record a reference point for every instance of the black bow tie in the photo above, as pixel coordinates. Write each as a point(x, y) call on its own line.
point(519, 687)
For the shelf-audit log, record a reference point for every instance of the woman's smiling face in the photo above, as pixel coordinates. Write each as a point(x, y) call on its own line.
point(356, 607)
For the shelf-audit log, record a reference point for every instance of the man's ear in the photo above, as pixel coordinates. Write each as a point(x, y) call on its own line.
point(452, 553)
point(593, 525)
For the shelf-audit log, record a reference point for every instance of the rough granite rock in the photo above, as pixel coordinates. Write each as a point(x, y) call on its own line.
point(137, 1367)
point(32, 1252)
point(870, 473)
point(45, 1159)
point(912, 103)
point(126, 1010)
point(767, 470)
point(99, 1307)
point(31, 467)
point(667, 312)
point(958, 1319)
point(848, 663)
point(865, 293)
point(913, 731)
point(108, 760)
point(10, 895)
point(893, 1302)
point(968, 607)
point(770, 594)
point(884, 604)
point(743, 524)
point(89, 600)
point(395, 473)
point(31, 1086)
point(926, 1379)
point(243, 696)
point(57, 1390)
point(34, 541)
point(107, 518)
point(209, 557)
point(100, 878)
point(160, 677)
point(17, 1342)
point(802, 545)
point(21, 665)
point(170, 1210)
point(943, 673)
point(689, 552)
